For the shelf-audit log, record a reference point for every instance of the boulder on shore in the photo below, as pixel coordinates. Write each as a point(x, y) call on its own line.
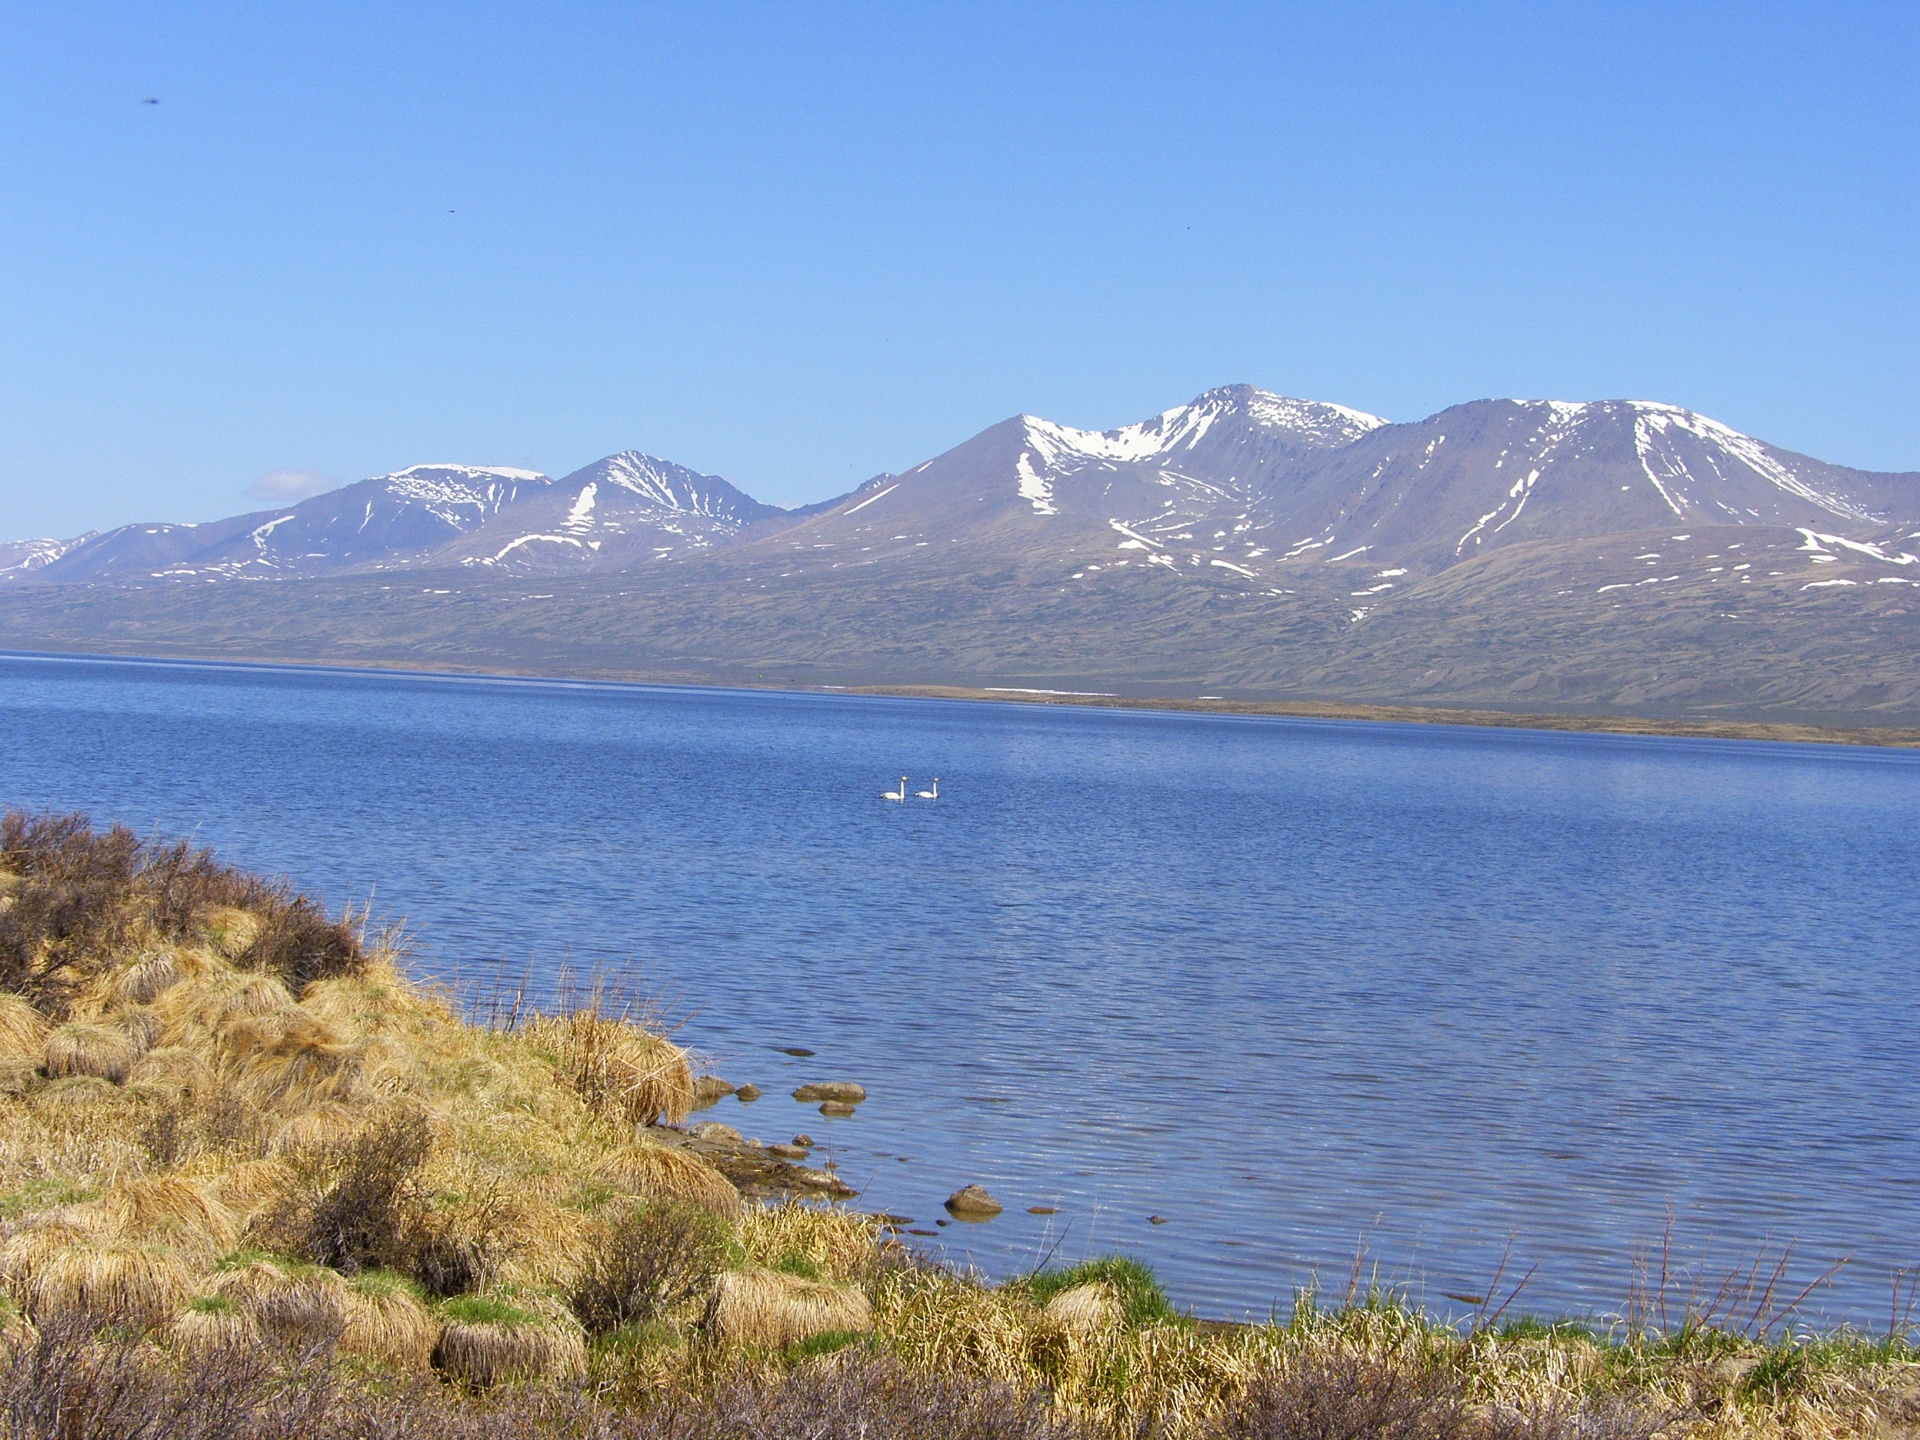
point(714, 1132)
point(844, 1092)
point(972, 1202)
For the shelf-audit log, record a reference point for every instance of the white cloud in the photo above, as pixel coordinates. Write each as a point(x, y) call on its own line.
point(288, 485)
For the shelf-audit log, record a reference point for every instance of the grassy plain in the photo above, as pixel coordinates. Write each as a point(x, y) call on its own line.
point(255, 1182)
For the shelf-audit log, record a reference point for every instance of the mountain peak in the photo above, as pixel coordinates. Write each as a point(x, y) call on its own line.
point(1318, 422)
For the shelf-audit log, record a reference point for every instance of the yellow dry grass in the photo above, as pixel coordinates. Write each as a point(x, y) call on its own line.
point(839, 1244)
point(289, 1061)
point(386, 1322)
point(1086, 1309)
point(250, 1187)
point(23, 1030)
point(327, 1123)
point(92, 1050)
point(107, 1285)
point(230, 931)
point(498, 1341)
point(173, 1068)
point(211, 1324)
point(171, 1210)
point(150, 977)
point(140, 1025)
point(654, 1172)
point(299, 1305)
point(618, 1067)
point(769, 1309)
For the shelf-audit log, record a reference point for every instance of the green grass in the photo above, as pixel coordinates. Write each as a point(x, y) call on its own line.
point(42, 1195)
point(1532, 1327)
point(825, 1343)
point(796, 1264)
point(640, 1338)
point(485, 1310)
point(378, 1284)
point(1142, 1301)
point(211, 1305)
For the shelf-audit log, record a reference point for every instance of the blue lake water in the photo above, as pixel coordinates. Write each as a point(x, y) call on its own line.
point(1295, 987)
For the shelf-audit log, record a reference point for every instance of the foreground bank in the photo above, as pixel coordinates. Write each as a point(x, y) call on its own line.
point(240, 1148)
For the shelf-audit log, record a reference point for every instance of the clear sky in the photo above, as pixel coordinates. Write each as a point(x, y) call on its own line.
point(799, 245)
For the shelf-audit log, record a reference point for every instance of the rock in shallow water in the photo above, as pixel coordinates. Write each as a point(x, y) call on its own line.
point(972, 1202)
point(843, 1091)
point(838, 1110)
point(747, 1094)
point(709, 1088)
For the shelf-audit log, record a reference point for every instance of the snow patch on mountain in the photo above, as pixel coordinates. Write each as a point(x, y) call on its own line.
point(23, 557)
point(1653, 428)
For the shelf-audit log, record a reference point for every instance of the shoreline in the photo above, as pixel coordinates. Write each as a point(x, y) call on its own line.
point(249, 1149)
point(1893, 737)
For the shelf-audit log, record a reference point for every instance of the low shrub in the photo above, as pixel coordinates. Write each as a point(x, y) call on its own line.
point(649, 1263)
point(364, 1208)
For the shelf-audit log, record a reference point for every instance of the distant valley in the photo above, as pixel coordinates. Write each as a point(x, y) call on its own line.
point(1613, 557)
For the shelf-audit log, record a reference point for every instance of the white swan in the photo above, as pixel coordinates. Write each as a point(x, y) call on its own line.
point(933, 794)
point(900, 794)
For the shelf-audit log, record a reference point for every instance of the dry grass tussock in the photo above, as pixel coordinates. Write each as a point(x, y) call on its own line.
point(237, 1146)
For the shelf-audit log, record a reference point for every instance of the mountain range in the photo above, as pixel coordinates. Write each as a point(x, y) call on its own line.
point(1610, 556)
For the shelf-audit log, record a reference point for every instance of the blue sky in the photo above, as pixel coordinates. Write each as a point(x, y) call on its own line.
point(799, 245)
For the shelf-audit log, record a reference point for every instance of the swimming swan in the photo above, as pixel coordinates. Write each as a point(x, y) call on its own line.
point(900, 794)
point(933, 794)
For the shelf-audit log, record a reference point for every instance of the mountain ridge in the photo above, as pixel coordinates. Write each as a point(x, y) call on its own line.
point(1234, 455)
point(1604, 557)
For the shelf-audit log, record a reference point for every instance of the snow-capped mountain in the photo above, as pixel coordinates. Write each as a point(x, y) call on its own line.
point(1240, 486)
point(1031, 480)
point(1619, 555)
point(621, 510)
point(386, 520)
point(624, 510)
point(1502, 472)
point(1246, 486)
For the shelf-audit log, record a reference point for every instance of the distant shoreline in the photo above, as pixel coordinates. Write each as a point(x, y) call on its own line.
point(1779, 731)
point(1889, 736)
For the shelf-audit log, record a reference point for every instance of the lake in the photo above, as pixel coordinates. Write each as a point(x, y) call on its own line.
point(1303, 990)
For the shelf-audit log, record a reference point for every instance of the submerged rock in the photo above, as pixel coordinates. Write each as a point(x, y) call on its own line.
point(709, 1088)
point(844, 1092)
point(821, 1181)
point(972, 1202)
